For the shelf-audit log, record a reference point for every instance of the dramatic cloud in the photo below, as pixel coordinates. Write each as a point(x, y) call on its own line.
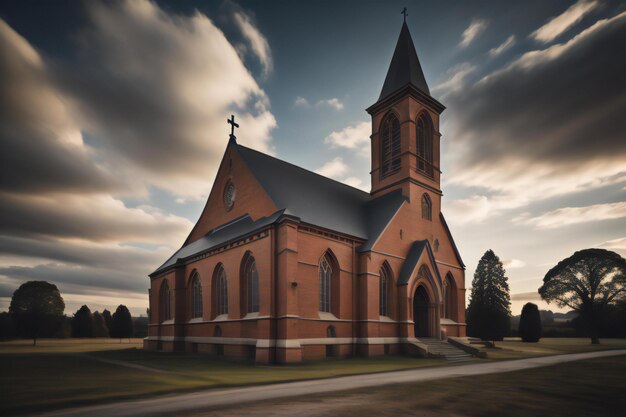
point(474, 209)
point(333, 169)
point(257, 41)
point(473, 30)
point(156, 88)
point(549, 123)
point(355, 136)
point(558, 25)
point(509, 42)
point(567, 216)
point(334, 103)
point(41, 143)
point(456, 81)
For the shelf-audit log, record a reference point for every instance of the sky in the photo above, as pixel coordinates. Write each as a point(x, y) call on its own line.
point(113, 121)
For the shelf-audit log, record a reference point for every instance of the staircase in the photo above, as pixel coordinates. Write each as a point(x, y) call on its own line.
point(442, 348)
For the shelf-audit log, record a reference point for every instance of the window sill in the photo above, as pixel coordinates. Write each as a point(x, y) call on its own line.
point(251, 315)
point(196, 320)
point(170, 321)
point(327, 316)
point(386, 318)
point(221, 317)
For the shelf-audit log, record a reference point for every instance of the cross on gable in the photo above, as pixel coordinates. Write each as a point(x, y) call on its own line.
point(405, 13)
point(232, 124)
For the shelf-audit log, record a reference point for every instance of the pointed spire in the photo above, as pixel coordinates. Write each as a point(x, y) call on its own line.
point(405, 67)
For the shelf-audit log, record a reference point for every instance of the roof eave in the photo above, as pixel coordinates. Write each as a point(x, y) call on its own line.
point(410, 90)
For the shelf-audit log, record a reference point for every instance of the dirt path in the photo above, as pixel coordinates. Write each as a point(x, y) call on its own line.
point(205, 400)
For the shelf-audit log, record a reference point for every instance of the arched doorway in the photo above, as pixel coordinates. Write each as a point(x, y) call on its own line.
point(421, 312)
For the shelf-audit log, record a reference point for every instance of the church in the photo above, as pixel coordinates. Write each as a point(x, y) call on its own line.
point(285, 265)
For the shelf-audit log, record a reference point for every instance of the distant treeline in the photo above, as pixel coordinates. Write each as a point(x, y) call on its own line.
point(38, 311)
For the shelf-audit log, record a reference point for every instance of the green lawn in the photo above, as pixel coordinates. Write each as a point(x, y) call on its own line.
point(61, 373)
point(514, 348)
point(586, 388)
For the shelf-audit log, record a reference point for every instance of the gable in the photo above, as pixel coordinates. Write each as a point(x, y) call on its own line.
point(420, 251)
point(250, 197)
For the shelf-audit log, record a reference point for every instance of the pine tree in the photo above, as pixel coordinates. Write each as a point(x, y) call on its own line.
point(489, 311)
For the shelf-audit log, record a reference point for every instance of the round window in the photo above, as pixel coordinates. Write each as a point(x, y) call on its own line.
point(229, 195)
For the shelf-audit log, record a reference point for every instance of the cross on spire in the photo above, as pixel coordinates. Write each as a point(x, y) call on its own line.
point(405, 13)
point(233, 125)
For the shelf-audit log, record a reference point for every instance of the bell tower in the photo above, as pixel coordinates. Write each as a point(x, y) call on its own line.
point(405, 128)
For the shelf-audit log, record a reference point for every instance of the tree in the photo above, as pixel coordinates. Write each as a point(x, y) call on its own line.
point(37, 309)
point(106, 315)
point(489, 310)
point(530, 323)
point(121, 323)
point(82, 323)
point(587, 282)
point(100, 328)
point(7, 328)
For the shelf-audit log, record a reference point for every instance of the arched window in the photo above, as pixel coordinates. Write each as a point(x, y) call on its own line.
point(250, 284)
point(390, 146)
point(165, 299)
point(326, 273)
point(196, 295)
point(383, 290)
point(221, 291)
point(427, 207)
point(449, 298)
point(424, 137)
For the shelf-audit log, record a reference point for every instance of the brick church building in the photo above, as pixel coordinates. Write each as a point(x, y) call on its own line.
point(286, 265)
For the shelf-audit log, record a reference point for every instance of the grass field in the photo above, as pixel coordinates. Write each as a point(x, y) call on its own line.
point(514, 348)
point(586, 388)
point(61, 373)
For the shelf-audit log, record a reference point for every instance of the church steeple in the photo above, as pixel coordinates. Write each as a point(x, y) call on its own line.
point(405, 67)
point(405, 128)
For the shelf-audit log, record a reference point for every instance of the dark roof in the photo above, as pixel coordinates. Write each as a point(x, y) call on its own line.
point(321, 201)
point(405, 67)
point(234, 229)
point(418, 247)
point(456, 250)
point(312, 198)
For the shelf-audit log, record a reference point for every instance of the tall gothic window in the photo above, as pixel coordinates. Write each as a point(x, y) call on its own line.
point(424, 144)
point(326, 273)
point(390, 149)
point(448, 297)
point(383, 290)
point(165, 302)
point(196, 295)
point(427, 207)
point(221, 291)
point(251, 284)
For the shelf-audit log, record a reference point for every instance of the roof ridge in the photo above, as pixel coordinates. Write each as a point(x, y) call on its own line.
point(304, 169)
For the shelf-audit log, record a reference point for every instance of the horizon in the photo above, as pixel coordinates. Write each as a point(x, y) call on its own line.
point(117, 125)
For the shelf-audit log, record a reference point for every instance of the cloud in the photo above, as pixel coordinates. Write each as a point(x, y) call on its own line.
point(258, 43)
point(155, 88)
point(474, 209)
point(356, 136)
point(41, 143)
point(473, 30)
point(356, 183)
point(333, 169)
point(526, 132)
point(567, 216)
point(614, 244)
point(559, 24)
point(456, 81)
point(513, 263)
point(334, 103)
point(526, 296)
point(509, 42)
point(99, 218)
point(301, 102)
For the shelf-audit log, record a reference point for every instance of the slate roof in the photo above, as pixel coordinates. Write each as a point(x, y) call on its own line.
point(405, 67)
point(418, 247)
point(311, 197)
